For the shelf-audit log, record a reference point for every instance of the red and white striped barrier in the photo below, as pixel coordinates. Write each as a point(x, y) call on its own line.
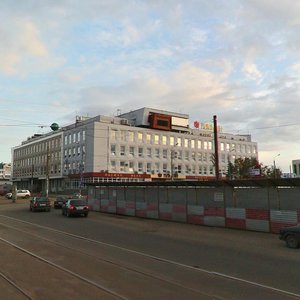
point(147, 210)
point(126, 208)
point(282, 218)
point(173, 212)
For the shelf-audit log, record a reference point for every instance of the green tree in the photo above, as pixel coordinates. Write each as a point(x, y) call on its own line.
point(242, 166)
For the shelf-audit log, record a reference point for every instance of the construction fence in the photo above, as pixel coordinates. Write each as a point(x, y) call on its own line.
point(265, 206)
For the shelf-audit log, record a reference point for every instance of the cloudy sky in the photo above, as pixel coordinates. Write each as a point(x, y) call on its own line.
point(239, 60)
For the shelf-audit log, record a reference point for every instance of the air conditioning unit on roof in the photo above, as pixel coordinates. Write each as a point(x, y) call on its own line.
point(124, 122)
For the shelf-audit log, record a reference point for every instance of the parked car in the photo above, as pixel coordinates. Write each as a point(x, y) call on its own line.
point(40, 204)
point(291, 235)
point(59, 201)
point(75, 207)
point(20, 194)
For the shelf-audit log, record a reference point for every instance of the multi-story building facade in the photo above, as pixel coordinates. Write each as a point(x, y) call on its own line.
point(144, 144)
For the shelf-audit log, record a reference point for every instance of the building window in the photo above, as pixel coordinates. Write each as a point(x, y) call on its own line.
point(186, 143)
point(130, 167)
point(148, 138)
point(193, 155)
point(165, 153)
point(165, 168)
point(140, 167)
point(83, 135)
point(200, 156)
point(157, 153)
point(113, 149)
point(113, 134)
point(149, 152)
point(113, 165)
point(172, 141)
point(141, 152)
point(164, 140)
point(222, 147)
point(192, 144)
point(186, 155)
point(130, 136)
point(122, 150)
point(179, 142)
point(178, 154)
point(157, 167)
point(205, 145)
point(209, 145)
point(131, 151)
point(140, 137)
point(148, 167)
point(122, 166)
point(156, 139)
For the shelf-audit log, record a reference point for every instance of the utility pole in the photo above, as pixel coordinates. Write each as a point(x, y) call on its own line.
point(47, 172)
point(216, 148)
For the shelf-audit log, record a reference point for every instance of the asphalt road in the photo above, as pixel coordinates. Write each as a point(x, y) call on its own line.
point(107, 256)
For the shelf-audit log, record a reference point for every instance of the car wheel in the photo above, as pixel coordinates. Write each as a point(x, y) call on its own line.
point(292, 242)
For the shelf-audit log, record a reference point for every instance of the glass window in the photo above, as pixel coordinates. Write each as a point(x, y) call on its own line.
point(140, 137)
point(179, 143)
point(165, 168)
point(141, 152)
point(113, 149)
point(205, 145)
point(148, 167)
point(165, 153)
point(222, 147)
point(193, 144)
point(199, 144)
point(172, 141)
point(149, 152)
point(186, 143)
point(122, 150)
point(113, 134)
point(157, 152)
point(186, 155)
point(200, 156)
point(122, 166)
point(130, 136)
point(156, 139)
point(227, 147)
point(209, 145)
point(113, 165)
point(140, 167)
point(148, 138)
point(164, 140)
point(131, 151)
point(83, 135)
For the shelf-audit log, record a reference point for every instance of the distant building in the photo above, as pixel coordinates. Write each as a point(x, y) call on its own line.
point(5, 172)
point(296, 167)
point(145, 144)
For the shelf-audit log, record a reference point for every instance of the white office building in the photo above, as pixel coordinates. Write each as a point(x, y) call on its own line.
point(145, 144)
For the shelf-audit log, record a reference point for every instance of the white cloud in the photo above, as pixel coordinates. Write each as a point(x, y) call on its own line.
point(251, 71)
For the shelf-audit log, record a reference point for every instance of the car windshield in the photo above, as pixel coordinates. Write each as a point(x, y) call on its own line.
point(41, 199)
point(77, 202)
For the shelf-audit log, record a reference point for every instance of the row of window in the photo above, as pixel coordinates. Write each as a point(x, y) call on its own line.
point(158, 167)
point(74, 137)
point(42, 146)
point(165, 140)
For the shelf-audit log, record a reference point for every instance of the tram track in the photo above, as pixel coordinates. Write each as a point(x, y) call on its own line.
point(131, 269)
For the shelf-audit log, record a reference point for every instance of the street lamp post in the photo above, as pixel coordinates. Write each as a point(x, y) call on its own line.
point(274, 165)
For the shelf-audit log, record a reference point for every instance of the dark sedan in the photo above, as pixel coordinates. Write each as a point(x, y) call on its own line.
point(60, 201)
point(291, 235)
point(40, 204)
point(75, 207)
